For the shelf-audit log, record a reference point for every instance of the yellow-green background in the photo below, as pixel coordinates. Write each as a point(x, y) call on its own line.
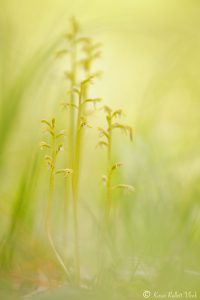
point(151, 64)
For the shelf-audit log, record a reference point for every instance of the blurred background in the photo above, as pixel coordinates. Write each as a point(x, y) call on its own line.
point(150, 63)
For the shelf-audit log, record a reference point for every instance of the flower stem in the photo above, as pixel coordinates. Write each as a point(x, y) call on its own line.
point(75, 188)
point(109, 174)
point(49, 209)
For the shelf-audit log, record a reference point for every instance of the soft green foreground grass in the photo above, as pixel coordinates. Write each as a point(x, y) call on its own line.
point(154, 240)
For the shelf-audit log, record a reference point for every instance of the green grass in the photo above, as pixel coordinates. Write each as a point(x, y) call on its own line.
point(153, 238)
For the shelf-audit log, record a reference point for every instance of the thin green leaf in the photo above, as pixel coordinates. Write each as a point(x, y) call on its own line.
point(93, 100)
point(46, 123)
point(44, 145)
point(66, 172)
point(125, 187)
point(116, 166)
point(126, 129)
point(61, 133)
point(103, 132)
point(107, 109)
point(117, 113)
point(68, 104)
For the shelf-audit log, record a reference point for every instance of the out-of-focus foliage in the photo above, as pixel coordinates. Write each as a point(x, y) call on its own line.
point(151, 70)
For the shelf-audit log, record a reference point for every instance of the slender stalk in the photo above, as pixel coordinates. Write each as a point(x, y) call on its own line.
point(76, 119)
point(108, 202)
point(49, 209)
point(109, 174)
point(75, 183)
point(54, 147)
point(65, 214)
point(107, 142)
point(77, 156)
point(76, 233)
point(72, 100)
point(47, 225)
point(71, 135)
point(72, 41)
